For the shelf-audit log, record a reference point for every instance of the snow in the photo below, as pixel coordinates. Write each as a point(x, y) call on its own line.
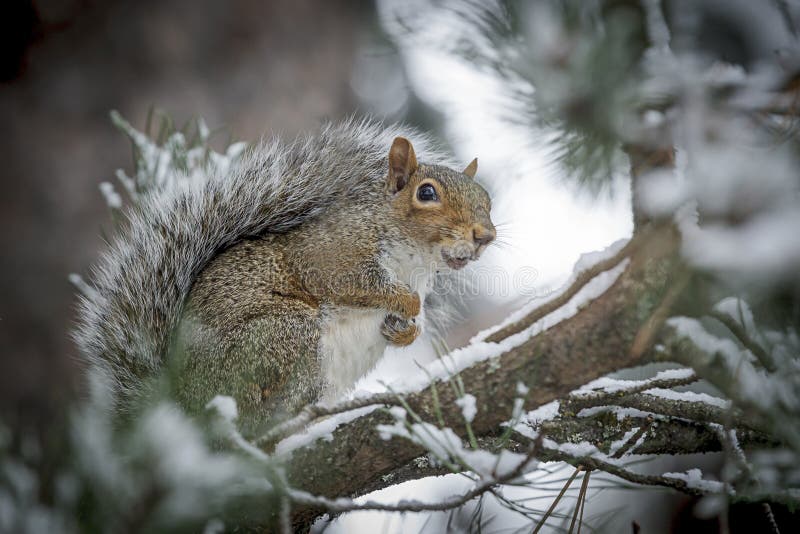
point(225, 406)
point(545, 412)
point(613, 385)
point(694, 479)
point(694, 330)
point(661, 192)
point(689, 396)
point(468, 407)
point(163, 448)
point(751, 383)
point(398, 412)
point(323, 429)
point(576, 450)
point(620, 412)
point(616, 445)
point(741, 181)
point(127, 182)
point(738, 310)
point(113, 200)
point(161, 167)
point(178, 448)
point(447, 447)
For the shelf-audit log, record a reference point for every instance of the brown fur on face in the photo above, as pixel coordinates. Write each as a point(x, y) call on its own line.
point(457, 221)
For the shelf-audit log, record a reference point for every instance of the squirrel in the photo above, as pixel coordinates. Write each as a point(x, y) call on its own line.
point(281, 281)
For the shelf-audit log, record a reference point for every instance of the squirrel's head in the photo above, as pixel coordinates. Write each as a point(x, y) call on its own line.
point(448, 211)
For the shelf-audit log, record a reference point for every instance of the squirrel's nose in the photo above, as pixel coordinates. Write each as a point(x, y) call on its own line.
point(482, 235)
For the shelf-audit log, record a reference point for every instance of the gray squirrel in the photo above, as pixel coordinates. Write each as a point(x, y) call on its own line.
point(281, 280)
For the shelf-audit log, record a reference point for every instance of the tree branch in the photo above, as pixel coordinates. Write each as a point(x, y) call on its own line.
point(741, 334)
point(550, 306)
point(671, 434)
point(789, 498)
point(347, 505)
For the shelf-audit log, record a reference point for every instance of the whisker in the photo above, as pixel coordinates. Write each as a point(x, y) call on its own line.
point(503, 246)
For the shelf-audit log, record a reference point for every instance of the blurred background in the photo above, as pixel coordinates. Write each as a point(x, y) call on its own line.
point(249, 68)
point(284, 67)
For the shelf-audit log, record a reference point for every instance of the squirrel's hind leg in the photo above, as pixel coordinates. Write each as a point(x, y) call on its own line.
point(269, 364)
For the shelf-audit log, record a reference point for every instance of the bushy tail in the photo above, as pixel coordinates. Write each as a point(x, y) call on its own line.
point(139, 284)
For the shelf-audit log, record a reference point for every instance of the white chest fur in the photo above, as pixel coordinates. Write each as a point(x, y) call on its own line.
point(350, 345)
point(351, 342)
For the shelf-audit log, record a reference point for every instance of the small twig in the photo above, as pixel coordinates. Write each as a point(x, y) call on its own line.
point(437, 407)
point(579, 504)
point(313, 412)
point(771, 518)
point(583, 501)
point(731, 440)
point(557, 499)
point(632, 440)
point(575, 403)
point(749, 343)
point(789, 498)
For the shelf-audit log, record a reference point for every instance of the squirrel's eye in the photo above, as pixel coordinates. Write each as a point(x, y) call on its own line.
point(426, 193)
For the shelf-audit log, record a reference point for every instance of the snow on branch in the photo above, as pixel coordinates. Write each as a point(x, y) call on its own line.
point(486, 484)
point(691, 482)
point(584, 274)
point(604, 387)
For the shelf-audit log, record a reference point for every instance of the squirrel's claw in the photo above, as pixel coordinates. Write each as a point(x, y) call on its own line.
point(399, 331)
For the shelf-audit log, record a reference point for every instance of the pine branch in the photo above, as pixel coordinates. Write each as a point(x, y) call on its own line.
point(741, 334)
point(789, 497)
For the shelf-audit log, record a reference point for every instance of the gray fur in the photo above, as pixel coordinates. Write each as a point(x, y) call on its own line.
point(143, 278)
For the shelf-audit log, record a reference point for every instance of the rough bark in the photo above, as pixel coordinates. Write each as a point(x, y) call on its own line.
point(662, 436)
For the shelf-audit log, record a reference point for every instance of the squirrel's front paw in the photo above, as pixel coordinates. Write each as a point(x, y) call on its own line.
point(399, 331)
point(407, 306)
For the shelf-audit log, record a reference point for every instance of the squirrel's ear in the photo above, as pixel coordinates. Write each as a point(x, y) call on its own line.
point(402, 163)
point(472, 168)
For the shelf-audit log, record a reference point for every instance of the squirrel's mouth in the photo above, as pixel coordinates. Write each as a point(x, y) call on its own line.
point(455, 262)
